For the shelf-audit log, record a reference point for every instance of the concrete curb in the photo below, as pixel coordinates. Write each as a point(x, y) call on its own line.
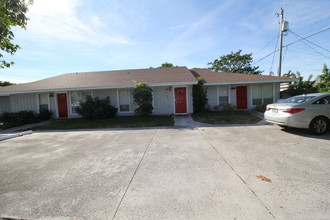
point(15, 135)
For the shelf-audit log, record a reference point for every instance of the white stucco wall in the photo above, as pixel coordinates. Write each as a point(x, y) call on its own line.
point(4, 104)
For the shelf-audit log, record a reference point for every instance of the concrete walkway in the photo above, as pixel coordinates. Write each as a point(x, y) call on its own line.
point(187, 121)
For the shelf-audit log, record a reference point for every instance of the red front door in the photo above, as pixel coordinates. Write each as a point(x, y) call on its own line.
point(241, 97)
point(180, 100)
point(62, 105)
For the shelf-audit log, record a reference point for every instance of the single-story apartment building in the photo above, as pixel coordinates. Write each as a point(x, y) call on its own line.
point(172, 90)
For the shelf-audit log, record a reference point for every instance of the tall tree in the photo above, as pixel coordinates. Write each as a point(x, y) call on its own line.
point(12, 14)
point(323, 84)
point(6, 83)
point(235, 63)
point(302, 86)
point(290, 74)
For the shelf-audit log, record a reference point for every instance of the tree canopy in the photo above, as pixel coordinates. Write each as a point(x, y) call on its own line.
point(302, 86)
point(323, 84)
point(166, 64)
point(12, 14)
point(6, 83)
point(235, 63)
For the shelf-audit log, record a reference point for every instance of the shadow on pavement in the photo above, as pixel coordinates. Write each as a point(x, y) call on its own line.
point(306, 133)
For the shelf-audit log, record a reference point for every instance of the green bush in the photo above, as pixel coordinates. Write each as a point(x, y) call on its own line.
point(14, 119)
point(142, 95)
point(229, 107)
point(216, 108)
point(96, 108)
point(261, 107)
point(199, 94)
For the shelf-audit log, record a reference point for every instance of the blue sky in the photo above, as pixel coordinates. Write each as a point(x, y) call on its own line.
point(80, 35)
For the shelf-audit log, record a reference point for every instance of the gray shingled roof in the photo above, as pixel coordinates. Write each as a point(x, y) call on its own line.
point(226, 78)
point(106, 79)
point(127, 78)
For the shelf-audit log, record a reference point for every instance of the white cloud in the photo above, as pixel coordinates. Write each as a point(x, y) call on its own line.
point(53, 20)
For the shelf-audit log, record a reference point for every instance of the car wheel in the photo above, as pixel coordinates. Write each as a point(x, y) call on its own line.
point(319, 125)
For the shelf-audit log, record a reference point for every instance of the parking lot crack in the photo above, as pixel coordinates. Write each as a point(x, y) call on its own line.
point(131, 180)
point(232, 168)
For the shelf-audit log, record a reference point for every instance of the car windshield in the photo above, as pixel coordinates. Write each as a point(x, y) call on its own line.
point(298, 99)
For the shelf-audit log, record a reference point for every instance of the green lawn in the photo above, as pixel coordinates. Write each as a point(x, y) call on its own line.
point(117, 122)
point(226, 117)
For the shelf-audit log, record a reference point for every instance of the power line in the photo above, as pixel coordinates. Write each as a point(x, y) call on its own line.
point(308, 36)
point(271, 67)
point(266, 45)
point(298, 57)
point(310, 41)
point(291, 44)
point(310, 46)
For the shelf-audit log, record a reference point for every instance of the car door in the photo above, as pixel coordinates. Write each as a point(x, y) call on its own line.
point(322, 106)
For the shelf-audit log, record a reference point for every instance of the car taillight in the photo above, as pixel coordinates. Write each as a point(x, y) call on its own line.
point(293, 110)
point(267, 109)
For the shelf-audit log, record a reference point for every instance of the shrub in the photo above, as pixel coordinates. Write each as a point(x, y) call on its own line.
point(261, 107)
point(13, 119)
point(142, 95)
point(229, 107)
point(216, 108)
point(199, 96)
point(44, 114)
point(96, 108)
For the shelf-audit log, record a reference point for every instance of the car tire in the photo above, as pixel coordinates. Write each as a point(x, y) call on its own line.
point(319, 125)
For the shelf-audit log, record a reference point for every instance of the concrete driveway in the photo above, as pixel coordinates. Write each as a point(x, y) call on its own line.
point(166, 173)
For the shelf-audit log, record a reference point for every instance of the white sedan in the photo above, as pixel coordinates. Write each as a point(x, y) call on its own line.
point(310, 111)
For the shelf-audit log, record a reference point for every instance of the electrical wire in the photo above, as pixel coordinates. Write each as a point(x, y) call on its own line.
point(271, 67)
point(298, 57)
point(297, 36)
point(291, 44)
point(266, 45)
point(309, 41)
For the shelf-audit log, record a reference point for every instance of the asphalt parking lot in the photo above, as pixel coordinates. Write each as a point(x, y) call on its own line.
point(167, 173)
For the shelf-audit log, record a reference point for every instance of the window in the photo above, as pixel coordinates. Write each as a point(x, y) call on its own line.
point(223, 95)
point(256, 94)
point(126, 100)
point(262, 93)
point(323, 101)
point(76, 97)
point(43, 101)
point(267, 93)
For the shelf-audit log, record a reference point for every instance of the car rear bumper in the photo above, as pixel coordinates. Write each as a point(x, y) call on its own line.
point(290, 120)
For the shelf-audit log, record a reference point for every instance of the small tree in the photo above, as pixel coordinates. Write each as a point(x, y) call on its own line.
point(199, 96)
point(323, 84)
point(142, 95)
point(95, 108)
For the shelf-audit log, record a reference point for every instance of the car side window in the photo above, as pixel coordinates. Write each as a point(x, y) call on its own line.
point(323, 101)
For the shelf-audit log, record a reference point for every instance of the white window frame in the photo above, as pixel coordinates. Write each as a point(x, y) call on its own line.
point(69, 99)
point(38, 104)
point(228, 94)
point(130, 107)
point(262, 93)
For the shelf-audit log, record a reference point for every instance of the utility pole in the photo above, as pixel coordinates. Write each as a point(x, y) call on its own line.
point(281, 42)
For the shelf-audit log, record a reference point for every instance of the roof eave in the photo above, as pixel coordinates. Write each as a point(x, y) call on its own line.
point(250, 82)
point(95, 88)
